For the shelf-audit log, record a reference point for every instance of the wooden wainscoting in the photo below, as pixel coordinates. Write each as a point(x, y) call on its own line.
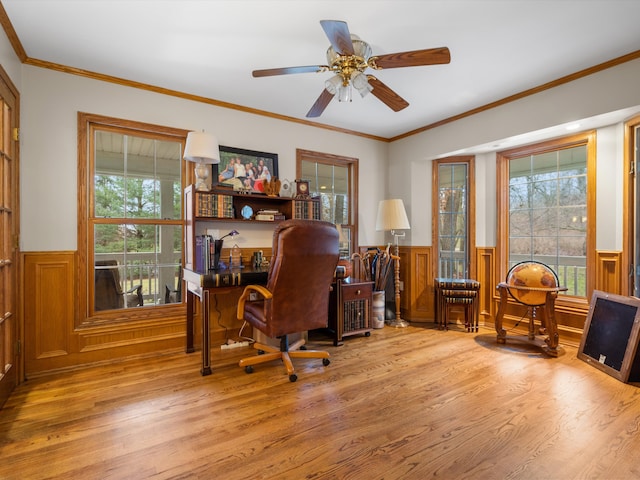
point(609, 272)
point(53, 341)
point(486, 273)
point(570, 313)
point(418, 284)
point(418, 293)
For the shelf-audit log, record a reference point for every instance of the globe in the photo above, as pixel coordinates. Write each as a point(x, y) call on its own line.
point(533, 275)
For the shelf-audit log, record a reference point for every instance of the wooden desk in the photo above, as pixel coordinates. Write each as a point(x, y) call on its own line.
point(549, 325)
point(202, 285)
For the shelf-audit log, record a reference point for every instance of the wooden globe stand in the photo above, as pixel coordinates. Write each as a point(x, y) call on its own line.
point(548, 320)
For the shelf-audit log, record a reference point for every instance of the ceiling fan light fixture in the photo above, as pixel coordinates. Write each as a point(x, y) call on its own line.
point(333, 85)
point(344, 93)
point(348, 58)
point(360, 83)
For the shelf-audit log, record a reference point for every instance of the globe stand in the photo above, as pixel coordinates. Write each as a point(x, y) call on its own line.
point(533, 297)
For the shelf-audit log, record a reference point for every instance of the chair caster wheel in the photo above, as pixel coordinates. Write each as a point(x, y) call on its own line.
point(326, 361)
point(248, 369)
point(367, 334)
point(293, 377)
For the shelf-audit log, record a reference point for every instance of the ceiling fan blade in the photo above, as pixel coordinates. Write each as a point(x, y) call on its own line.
point(338, 34)
point(415, 58)
point(287, 70)
point(321, 103)
point(390, 98)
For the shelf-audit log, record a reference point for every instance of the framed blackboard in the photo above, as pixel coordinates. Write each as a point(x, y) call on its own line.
point(610, 337)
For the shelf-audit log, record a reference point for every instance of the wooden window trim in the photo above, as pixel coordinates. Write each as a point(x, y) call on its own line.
point(471, 209)
point(349, 162)
point(629, 204)
point(86, 123)
point(502, 203)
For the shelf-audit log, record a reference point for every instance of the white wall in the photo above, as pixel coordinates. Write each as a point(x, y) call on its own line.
point(518, 123)
point(9, 61)
point(51, 101)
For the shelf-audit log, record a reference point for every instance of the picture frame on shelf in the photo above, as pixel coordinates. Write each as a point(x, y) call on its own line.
point(244, 170)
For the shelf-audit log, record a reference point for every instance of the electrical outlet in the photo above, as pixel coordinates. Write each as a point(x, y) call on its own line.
point(253, 296)
point(401, 286)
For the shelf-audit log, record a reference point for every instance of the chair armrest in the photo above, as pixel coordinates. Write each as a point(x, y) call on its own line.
point(266, 294)
point(138, 292)
point(133, 289)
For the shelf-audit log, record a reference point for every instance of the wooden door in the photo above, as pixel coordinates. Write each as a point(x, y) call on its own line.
point(9, 231)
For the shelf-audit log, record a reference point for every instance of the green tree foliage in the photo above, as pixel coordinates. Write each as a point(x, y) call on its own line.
point(128, 199)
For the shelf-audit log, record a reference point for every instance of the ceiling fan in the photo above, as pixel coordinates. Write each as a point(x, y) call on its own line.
point(348, 58)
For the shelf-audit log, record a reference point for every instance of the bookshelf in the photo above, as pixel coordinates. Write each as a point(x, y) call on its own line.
point(210, 209)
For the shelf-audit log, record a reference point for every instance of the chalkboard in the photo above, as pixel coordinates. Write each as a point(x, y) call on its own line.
point(610, 337)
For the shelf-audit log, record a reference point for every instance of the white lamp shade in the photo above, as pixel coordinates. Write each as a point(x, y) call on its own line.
point(202, 147)
point(392, 215)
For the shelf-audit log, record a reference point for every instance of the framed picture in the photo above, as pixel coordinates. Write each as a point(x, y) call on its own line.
point(244, 170)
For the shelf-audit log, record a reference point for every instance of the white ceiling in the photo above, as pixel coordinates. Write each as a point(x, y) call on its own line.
point(209, 48)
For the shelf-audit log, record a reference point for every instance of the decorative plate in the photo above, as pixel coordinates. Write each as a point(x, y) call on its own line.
point(246, 212)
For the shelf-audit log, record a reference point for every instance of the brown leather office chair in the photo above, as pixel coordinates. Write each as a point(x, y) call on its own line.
point(296, 297)
point(108, 291)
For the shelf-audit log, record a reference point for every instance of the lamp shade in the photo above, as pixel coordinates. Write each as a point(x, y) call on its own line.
point(202, 147)
point(392, 215)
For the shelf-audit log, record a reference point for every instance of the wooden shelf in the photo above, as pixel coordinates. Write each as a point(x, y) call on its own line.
point(228, 207)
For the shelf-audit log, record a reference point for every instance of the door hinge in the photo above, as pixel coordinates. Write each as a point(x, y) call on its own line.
point(16, 134)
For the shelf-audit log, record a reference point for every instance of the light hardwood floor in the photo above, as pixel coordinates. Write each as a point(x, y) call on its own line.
point(409, 403)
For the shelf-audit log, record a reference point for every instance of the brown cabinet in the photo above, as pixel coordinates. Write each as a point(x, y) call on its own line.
point(350, 307)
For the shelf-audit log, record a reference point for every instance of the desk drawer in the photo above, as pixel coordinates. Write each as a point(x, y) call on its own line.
point(356, 291)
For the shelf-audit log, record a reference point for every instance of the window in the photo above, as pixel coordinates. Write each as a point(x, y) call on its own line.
point(454, 231)
point(631, 247)
point(133, 177)
point(546, 192)
point(334, 179)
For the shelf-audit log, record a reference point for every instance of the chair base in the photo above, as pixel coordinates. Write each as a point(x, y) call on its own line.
point(285, 353)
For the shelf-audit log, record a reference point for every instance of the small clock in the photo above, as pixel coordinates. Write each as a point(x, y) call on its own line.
point(285, 189)
point(302, 188)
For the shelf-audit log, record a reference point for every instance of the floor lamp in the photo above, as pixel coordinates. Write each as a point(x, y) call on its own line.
point(392, 217)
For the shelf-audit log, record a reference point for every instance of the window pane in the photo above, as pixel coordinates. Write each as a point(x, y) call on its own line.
point(452, 220)
point(547, 212)
point(128, 256)
point(136, 177)
point(330, 181)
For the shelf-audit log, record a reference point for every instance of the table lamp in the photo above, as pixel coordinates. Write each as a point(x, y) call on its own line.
point(392, 217)
point(202, 148)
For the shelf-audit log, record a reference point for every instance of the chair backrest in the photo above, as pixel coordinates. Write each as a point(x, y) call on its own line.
point(108, 291)
point(305, 255)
